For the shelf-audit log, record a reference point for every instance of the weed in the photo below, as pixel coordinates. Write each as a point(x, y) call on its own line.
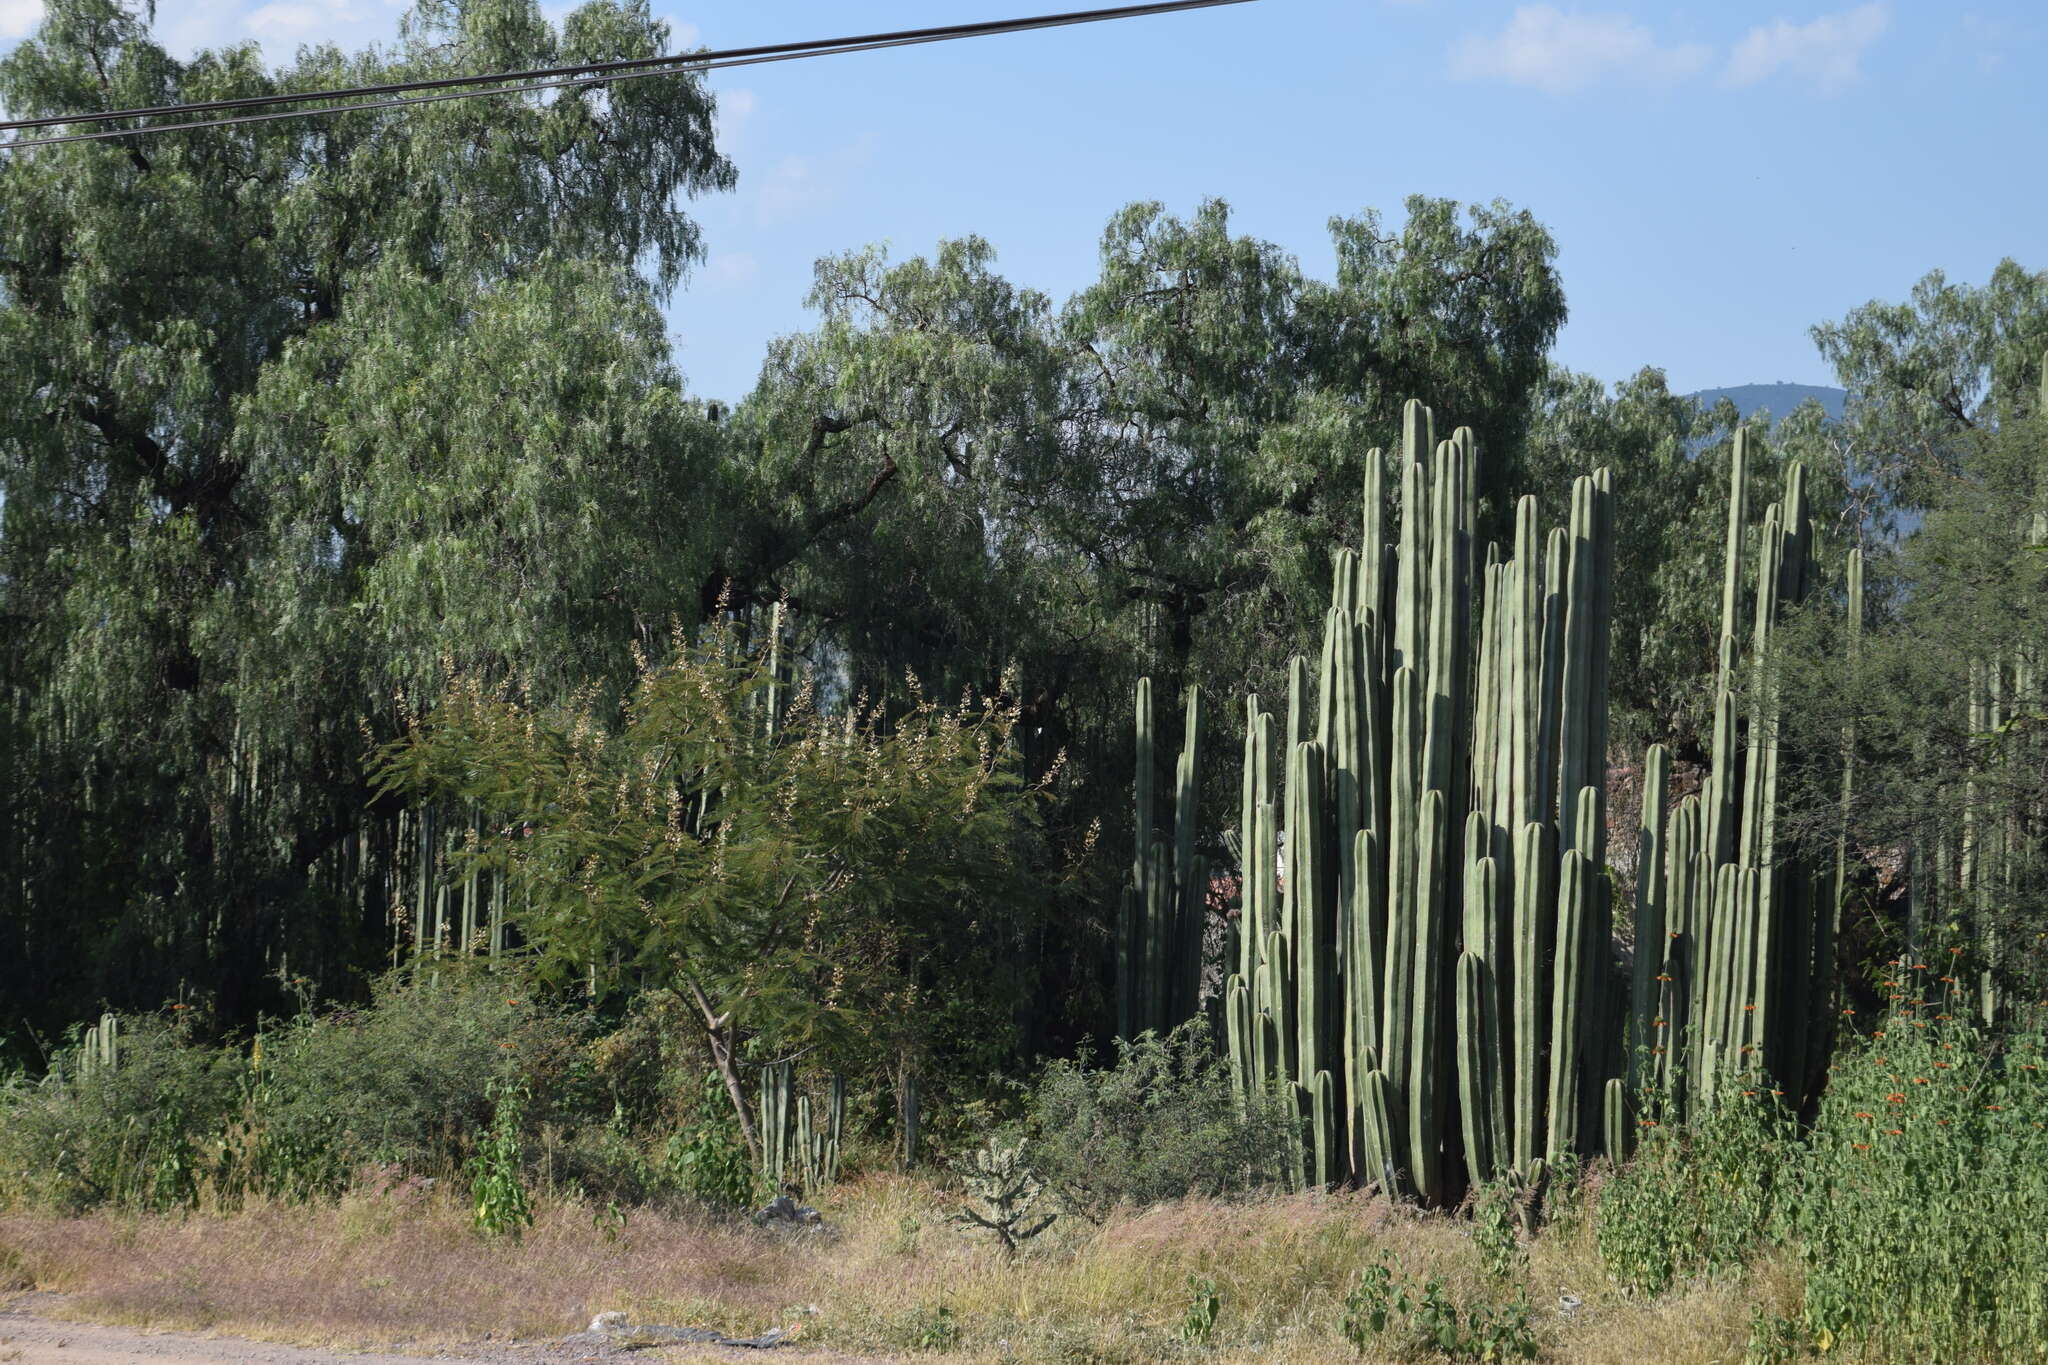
point(1198, 1321)
point(498, 1194)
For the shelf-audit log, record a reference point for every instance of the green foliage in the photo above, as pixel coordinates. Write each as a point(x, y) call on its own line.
point(798, 884)
point(708, 1158)
point(1697, 1200)
point(405, 1084)
point(1198, 1319)
point(1160, 1123)
point(499, 1203)
point(132, 1134)
point(287, 413)
point(1383, 1311)
point(932, 1327)
point(1925, 375)
point(1911, 1205)
point(1494, 1225)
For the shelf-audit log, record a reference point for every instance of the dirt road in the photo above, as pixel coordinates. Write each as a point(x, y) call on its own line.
point(30, 1338)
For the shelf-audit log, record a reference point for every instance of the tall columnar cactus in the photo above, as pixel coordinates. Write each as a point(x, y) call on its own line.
point(778, 1088)
point(1747, 921)
point(1163, 909)
point(1422, 956)
point(1402, 977)
point(100, 1048)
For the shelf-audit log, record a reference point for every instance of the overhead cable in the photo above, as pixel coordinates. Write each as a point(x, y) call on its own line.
point(589, 73)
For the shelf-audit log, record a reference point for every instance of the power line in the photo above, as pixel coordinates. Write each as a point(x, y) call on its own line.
point(520, 82)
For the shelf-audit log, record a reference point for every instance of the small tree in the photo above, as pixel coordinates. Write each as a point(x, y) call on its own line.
point(796, 876)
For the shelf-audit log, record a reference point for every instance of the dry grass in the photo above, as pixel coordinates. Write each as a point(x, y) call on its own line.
point(404, 1270)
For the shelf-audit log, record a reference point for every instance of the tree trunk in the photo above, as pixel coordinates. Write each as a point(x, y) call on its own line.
point(718, 1032)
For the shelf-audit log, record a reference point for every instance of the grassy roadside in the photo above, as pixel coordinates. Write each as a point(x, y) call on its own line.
point(890, 1277)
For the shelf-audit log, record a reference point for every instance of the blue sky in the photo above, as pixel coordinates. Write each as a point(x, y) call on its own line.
point(1718, 176)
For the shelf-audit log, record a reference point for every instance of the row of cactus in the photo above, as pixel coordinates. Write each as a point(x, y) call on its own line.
point(1422, 937)
point(799, 1147)
point(100, 1048)
point(1163, 909)
point(1744, 983)
point(1424, 947)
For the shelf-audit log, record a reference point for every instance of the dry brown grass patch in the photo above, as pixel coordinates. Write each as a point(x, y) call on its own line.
point(889, 1277)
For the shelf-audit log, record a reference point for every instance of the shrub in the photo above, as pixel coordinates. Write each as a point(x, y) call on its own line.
point(1161, 1123)
point(405, 1082)
point(1924, 1191)
point(137, 1133)
point(1913, 1204)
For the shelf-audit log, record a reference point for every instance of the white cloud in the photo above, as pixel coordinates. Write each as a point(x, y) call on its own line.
point(297, 18)
point(731, 269)
point(19, 17)
point(1549, 50)
point(796, 185)
point(1825, 53)
point(735, 111)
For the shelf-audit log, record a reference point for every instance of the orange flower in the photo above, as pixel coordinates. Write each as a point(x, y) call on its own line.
point(1748, 1007)
point(1919, 1080)
point(1896, 1097)
point(1951, 980)
point(1941, 1121)
point(1749, 1094)
point(1848, 1011)
point(1879, 1034)
point(1646, 1123)
point(1942, 1065)
point(1862, 1146)
point(1943, 1016)
point(1863, 1114)
point(1955, 950)
point(1896, 1132)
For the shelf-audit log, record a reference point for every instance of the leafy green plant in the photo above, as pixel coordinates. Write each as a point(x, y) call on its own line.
point(1494, 1225)
point(1198, 1319)
point(708, 1158)
point(1372, 1304)
point(499, 1202)
point(933, 1328)
point(1383, 1312)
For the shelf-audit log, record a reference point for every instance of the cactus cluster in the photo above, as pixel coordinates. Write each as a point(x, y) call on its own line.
point(100, 1048)
point(1746, 922)
point(1424, 952)
point(1161, 916)
point(1422, 946)
point(796, 1147)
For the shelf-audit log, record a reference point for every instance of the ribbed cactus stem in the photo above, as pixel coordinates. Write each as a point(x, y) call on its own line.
point(1428, 1048)
point(1535, 928)
point(1328, 1150)
point(1568, 1003)
point(1651, 889)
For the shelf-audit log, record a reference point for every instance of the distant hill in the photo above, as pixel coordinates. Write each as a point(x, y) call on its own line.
point(1780, 399)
